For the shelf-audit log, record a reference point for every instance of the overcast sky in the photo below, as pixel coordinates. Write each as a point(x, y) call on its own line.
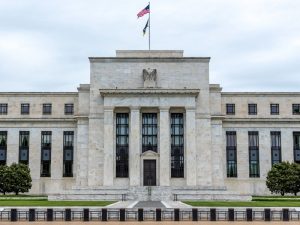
point(254, 45)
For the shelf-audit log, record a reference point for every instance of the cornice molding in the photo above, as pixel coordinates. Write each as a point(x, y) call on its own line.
point(149, 59)
point(154, 91)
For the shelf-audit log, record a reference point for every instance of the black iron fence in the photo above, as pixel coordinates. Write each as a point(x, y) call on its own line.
point(195, 214)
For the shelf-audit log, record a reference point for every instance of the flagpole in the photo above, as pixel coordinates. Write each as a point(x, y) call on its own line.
point(149, 27)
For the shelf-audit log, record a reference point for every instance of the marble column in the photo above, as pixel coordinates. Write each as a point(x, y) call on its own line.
point(134, 147)
point(164, 147)
point(108, 177)
point(190, 152)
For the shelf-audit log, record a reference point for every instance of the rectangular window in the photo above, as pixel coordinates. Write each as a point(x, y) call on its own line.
point(177, 145)
point(230, 109)
point(252, 109)
point(25, 109)
point(231, 154)
point(3, 147)
point(275, 147)
point(253, 154)
point(47, 109)
point(297, 147)
point(122, 144)
point(3, 109)
point(24, 147)
point(69, 109)
point(274, 109)
point(296, 109)
point(149, 132)
point(68, 153)
point(46, 153)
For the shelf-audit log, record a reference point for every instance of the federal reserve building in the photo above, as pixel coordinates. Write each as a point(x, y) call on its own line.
point(149, 126)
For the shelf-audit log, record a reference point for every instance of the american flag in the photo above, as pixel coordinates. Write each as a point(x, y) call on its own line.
point(144, 11)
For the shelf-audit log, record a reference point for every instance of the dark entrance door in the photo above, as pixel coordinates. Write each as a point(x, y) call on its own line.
point(149, 172)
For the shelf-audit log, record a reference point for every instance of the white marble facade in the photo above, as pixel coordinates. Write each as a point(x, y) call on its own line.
point(161, 82)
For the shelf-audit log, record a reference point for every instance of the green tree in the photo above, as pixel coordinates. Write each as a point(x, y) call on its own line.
point(5, 179)
point(21, 179)
point(278, 178)
point(294, 179)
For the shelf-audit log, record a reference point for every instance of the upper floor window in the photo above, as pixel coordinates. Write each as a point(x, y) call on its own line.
point(3, 147)
point(296, 109)
point(149, 132)
point(24, 147)
point(253, 139)
point(69, 109)
point(230, 109)
point(231, 154)
point(252, 109)
point(3, 108)
point(274, 109)
point(296, 147)
point(47, 109)
point(25, 108)
point(275, 147)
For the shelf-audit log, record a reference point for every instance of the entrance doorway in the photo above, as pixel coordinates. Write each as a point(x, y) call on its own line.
point(149, 172)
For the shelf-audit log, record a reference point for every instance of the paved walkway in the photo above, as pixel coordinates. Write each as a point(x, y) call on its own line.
point(148, 204)
point(152, 223)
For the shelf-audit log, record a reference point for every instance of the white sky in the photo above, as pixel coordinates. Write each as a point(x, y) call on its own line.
point(254, 45)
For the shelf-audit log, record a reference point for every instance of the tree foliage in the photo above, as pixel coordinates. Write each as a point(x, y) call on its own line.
point(15, 178)
point(284, 178)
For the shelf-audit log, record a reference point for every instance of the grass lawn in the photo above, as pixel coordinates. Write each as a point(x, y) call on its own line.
point(44, 202)
point(245, 204)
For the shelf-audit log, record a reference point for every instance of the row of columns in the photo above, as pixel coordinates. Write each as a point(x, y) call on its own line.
point(135, 147)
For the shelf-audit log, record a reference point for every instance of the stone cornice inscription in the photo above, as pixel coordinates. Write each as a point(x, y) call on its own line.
point(152, 91)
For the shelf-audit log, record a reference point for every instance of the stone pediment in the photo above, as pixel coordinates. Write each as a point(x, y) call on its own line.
point(150, 153)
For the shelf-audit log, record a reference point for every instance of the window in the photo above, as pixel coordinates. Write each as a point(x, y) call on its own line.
point(3, 109)
point(231, 155)
point(177, 145)
point(25, 108)
point(46, 154)
point(253, 154)
point(47, 109)
point(149, 132)
point(252, 109)
point(297, 147)
point(275, 147)
point(230, 109)
point(274, 109)
point(122, 141)
point(69, 109)
point(296, 109)
point(68, 153)
point(24, 147)
point(3, 147)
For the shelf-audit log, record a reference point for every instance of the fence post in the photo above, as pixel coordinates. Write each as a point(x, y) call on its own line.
point(31, 214)
point(86, 214)
point(213, 215)
point(104, 214)
point(249, 214)
point(13, 215)
point(122, 214)
point(140, 215)
point(158, 214)
point(267, 215)
point(67, 214)
point(285, 215)
point(195, 214)
point(230, 214)
point(176, 215)
point(49, 214)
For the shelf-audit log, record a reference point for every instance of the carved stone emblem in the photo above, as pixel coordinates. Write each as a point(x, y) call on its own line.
point(149, 76)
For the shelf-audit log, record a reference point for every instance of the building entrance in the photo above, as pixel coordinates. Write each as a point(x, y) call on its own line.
point(149, 172)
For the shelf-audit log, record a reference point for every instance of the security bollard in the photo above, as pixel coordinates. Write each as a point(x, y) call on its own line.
point(86, 214)
point(176, 215)
point(195, 214)
point(104, 214)
point(230, 214)
point(158, 214)
point(31, 215)
point(67, 214)
point(285, 215)
point(13, 215)
point(122, 214)
point(140, 215)
point(49, 214)
point(267, 215)
point(213, 214)
point(249, 214)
